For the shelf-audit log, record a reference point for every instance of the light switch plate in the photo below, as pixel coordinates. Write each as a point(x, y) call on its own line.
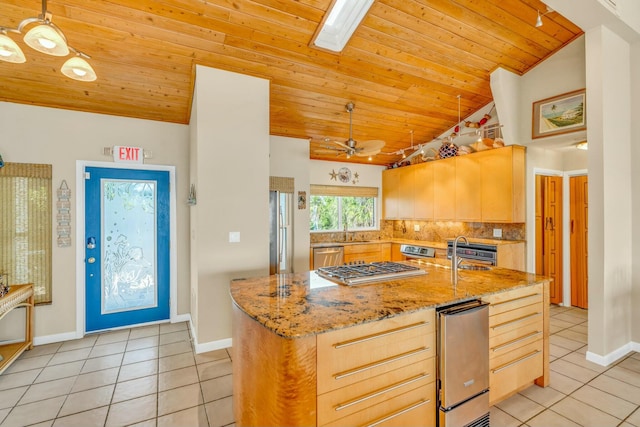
point(234, 236)
point(497, 232)
point(416, 227)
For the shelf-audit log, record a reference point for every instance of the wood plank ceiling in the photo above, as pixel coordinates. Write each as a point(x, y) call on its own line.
point(404, 67)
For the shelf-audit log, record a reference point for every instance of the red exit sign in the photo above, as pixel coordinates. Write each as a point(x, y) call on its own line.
point(124, 154)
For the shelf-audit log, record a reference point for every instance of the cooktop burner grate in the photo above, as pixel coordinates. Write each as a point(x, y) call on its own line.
point(354, 274)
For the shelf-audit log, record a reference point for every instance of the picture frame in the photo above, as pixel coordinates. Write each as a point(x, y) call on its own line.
point(559, 114)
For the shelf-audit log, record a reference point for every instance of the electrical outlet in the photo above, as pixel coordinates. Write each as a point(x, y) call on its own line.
point(234, 236)
point(416, 227)
point(497, 232)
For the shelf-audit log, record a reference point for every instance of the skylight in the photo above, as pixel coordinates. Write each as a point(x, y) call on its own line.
point(343, 19)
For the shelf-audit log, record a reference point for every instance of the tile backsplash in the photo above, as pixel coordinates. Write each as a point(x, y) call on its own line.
point(431, 231)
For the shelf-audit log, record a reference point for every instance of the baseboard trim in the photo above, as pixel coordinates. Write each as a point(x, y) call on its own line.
point(212, 345)
point(613, 356)
point(50, 339)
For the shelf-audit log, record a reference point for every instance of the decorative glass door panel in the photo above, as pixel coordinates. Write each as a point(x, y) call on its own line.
point(127, 247)
point(129, 236)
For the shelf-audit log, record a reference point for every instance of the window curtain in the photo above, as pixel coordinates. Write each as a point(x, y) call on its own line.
point(25, 226)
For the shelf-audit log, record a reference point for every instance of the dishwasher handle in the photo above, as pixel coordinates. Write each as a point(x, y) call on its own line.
point(464, 308)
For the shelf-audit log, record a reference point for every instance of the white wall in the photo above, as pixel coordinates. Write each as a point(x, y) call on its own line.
point(60, 137)
point(231, 164)
point(289, 157)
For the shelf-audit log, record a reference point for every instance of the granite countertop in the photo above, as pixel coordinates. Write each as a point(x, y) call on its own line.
point(303, 304)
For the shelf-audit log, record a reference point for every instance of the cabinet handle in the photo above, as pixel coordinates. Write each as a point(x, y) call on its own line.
point(342, 406)
point(510, 343)
point(519, 319)
point(380, 335)
point(515, 362)
point(516, 299)
point(383, 362)
point(397, 414)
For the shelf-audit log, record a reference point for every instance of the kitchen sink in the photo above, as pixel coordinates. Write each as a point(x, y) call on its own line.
point(475, 267)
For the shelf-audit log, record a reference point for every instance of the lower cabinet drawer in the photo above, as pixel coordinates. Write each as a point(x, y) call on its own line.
point(525, 334)
point(377, 391)
point(414, 408)
point(515, 370)
point(350, 355)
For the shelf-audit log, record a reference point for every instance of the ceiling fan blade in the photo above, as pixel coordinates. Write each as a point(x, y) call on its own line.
point(338, 143)
point(370, 148)
point(336, 151)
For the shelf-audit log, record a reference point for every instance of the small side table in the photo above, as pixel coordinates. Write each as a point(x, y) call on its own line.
point(18, 296)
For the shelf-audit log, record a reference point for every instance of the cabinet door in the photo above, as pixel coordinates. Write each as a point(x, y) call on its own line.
point(503, 186)
point(405, 193)
point(390, 193)
point(423, 191)
point(468, 206)
point(444, 190)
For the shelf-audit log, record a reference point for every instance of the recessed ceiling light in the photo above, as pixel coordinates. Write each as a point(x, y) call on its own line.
point(342, 20)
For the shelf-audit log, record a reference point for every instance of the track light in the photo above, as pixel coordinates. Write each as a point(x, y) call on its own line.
point(47, 38)
point(539, 22)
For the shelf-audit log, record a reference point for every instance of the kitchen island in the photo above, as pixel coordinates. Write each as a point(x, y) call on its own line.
point(307, 351)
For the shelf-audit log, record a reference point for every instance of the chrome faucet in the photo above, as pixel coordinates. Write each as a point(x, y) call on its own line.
point(454, 259)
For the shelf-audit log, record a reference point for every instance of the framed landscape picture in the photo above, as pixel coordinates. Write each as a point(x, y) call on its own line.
point(559, 114)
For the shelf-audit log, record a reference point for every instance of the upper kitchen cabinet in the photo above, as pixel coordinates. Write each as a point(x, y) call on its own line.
point(488, 186)
point(468, 195)
point(423, 191)
point(390, 193)
point(397, 193)
point(444, 189)
point(503, 184)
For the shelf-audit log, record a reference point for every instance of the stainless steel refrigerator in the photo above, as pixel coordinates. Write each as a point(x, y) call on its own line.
point(280, 232)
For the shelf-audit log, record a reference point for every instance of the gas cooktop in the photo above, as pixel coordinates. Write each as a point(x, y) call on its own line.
point(357, 274)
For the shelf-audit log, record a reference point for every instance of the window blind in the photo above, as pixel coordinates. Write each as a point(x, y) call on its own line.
point(343, 190)
point(25, 226)
point(281, 184)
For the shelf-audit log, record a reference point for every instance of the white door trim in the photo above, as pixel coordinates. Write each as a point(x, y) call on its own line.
point(80, 237)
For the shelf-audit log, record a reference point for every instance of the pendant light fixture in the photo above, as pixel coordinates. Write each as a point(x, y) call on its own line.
point(48, 38)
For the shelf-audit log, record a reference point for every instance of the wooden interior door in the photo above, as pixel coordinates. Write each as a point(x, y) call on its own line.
point(549, 232)
point(578, 217)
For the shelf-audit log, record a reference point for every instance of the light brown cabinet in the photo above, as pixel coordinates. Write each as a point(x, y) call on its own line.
point(367, 252)
point(390, 193)
point(423, 191)
point(503, 184)
point(518, 340)
point(488, 186)
point(468, 204)
point(380, 373)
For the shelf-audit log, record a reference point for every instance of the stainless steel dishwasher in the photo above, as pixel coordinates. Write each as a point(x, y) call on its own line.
point(463, 365)
point(328, 257)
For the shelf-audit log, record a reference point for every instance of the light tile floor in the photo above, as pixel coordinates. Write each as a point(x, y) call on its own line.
point(580, 393)
point(150, 376)
point(146, 376)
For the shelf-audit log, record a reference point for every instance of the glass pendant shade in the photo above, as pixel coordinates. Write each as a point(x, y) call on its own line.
point(10, 51)
point(78, 69)
point(47, 39)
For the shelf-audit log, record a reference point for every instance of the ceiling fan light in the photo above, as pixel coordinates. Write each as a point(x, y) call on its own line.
point(10, 51)
point(47, 39)
point(78, 69)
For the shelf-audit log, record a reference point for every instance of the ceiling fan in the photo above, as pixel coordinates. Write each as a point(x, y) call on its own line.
point(351, 147)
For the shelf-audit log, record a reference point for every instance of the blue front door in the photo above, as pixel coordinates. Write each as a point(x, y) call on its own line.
point(127, 229)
